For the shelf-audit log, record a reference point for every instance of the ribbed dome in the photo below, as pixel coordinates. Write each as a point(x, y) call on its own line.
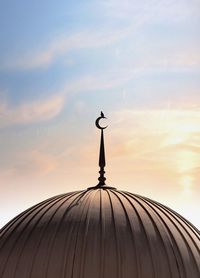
point(99, 233)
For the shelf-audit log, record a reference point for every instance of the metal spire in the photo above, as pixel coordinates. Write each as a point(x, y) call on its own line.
point(102, 161)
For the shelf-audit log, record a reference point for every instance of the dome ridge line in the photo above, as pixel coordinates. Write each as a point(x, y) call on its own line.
point(63, 201)
point(119, 196)
point(172, 219)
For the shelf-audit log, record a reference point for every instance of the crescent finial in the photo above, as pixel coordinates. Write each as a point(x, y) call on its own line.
point(98, 120)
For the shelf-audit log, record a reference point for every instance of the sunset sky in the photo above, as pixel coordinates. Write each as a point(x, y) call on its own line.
point(62, 62)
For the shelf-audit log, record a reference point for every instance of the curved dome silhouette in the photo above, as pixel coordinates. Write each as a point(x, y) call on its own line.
point(99, 232)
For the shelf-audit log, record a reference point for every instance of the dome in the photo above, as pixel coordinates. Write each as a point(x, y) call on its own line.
point(99, 232)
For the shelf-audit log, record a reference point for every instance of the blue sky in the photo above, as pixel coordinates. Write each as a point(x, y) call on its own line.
point(61, 63)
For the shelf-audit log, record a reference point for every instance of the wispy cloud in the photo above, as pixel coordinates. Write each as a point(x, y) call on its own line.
point(105, 80)
point(32, 112)
point(42, 110)
point(131, 70)
point(174, 126)
point(61, 45)
point(156, 10)
point(135, 14)
point(161, 142)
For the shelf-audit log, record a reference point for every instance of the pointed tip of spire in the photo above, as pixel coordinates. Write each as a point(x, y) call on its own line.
point(102, 115)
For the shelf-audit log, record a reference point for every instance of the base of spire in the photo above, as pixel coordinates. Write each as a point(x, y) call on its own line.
point(104, 187)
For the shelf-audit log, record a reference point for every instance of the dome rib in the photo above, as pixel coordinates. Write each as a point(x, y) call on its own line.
point(102, 233)
point(69, 242)
point(167, 211)
point(36, 209)
point(186, 232)
point(66, 198)
point(170, 239)
point(102, 236)
point(22, 216)
point(159, 234)
point(116, 236)
point(157, 225)
point(82, 252)
point(31, 232)
point(170, 218)
point(49, 211)
point(144, 228)
point(175, 216)
point(58, 227)
point(138, 266)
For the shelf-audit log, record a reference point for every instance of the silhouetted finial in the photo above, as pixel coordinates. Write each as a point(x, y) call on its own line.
point(102, 161)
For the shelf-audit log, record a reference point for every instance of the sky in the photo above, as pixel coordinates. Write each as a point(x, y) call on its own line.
point(62, 63)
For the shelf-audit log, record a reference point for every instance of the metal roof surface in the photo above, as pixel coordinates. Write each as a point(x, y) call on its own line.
point(99, 233)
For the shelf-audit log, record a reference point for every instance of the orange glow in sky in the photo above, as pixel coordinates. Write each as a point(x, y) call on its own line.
point(148, 152)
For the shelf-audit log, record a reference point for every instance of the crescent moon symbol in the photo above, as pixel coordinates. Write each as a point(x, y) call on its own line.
point(98, 125)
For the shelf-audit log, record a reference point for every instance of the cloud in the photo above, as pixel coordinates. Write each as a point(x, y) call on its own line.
point(32, 112)
point(179, 60)
point(62, 45)
point(113, 78)
point(36, 162)
point(166, 141)
point(177, 125)
point(105, 80)
point(136, 15)
point(154, 10)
